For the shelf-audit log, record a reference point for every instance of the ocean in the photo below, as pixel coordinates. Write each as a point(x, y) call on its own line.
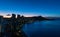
point(46, 28)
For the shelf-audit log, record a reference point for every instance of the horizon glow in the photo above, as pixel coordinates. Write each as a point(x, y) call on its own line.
point(29, 8)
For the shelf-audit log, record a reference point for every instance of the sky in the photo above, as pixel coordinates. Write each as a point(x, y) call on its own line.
point(44, 8)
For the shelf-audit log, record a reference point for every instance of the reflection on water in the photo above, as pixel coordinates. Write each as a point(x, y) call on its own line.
point(43, 29)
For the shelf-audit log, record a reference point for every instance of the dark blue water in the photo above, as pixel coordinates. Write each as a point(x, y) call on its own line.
point(43, 29)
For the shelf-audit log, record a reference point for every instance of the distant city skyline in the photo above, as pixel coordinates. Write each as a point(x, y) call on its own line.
point(46, 8)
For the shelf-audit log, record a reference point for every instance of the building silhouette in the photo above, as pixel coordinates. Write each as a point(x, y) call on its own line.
point(18, 16)
point(1, 19)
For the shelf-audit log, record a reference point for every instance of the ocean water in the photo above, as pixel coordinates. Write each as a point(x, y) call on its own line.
point(43, 28)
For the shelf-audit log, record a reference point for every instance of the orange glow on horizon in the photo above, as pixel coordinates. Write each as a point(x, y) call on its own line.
point(7, 16)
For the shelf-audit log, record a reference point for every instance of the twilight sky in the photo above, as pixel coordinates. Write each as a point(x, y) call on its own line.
point(30, 7)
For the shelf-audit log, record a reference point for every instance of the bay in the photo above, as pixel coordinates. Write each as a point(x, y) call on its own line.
point(43, 28)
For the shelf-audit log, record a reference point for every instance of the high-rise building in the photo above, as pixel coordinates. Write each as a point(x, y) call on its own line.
point(13, 16)
point(1, 19)
point(13, 21)
point(18, 16)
